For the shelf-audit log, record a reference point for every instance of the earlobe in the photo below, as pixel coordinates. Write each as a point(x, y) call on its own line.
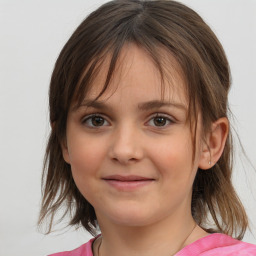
point(214, 144)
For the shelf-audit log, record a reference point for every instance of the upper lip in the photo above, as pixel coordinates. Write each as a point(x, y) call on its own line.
point(126, 178)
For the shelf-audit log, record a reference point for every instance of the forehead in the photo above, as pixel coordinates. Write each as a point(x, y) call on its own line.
point(137, 73)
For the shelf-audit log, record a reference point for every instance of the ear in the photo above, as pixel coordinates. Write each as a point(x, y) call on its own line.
point(65, 152)
point(214, 144)
point(63, 146)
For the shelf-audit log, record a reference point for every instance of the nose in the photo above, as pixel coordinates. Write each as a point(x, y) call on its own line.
point(126, 145)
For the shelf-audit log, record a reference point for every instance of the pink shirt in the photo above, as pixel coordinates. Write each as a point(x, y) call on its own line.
point(211, 245)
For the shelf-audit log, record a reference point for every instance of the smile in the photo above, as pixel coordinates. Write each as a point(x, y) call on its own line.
point(127, 183)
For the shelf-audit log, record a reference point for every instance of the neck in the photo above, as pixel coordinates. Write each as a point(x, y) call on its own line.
point(173, 232)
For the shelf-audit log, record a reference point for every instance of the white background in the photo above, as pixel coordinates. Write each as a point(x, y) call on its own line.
point(32, 34)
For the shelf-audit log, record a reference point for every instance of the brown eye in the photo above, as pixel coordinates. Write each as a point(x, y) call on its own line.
point(95, 121)
point(160, 121)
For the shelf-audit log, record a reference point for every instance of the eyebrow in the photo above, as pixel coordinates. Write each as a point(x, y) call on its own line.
point(154, 104)
point(92, 104)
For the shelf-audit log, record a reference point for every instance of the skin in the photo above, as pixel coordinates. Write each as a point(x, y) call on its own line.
point(154, 142)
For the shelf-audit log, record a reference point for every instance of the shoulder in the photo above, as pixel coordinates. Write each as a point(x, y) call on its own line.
point(83, 250)
point(218, 244)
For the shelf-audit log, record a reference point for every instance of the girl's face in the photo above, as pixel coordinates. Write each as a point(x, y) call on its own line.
point(131, 151)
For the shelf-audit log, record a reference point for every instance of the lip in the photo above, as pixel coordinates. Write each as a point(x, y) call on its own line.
point(127, 183)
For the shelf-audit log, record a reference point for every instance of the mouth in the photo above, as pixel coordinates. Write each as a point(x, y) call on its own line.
point(127, 183)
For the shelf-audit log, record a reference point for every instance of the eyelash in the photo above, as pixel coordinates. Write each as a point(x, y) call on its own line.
point(165, 117)
point(89, 118)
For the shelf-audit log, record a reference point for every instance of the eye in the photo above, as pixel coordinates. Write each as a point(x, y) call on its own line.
point(160, 121)
point(95, 121)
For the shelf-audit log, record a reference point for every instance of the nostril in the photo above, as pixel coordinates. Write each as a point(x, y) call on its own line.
point(124, 161)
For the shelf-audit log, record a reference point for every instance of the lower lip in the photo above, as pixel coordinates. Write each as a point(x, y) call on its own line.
point(128, 185)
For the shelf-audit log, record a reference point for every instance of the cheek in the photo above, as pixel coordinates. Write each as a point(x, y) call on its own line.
point(174, 154)
point(173, 161)
point(85, 156)
point(86, 160)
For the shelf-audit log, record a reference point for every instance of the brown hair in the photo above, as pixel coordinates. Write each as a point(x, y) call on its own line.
point(151, 25)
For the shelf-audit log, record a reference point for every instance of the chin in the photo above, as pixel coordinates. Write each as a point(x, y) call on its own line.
point(132, 217)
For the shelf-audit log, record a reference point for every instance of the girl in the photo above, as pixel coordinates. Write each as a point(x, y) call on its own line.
point(140, 143)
